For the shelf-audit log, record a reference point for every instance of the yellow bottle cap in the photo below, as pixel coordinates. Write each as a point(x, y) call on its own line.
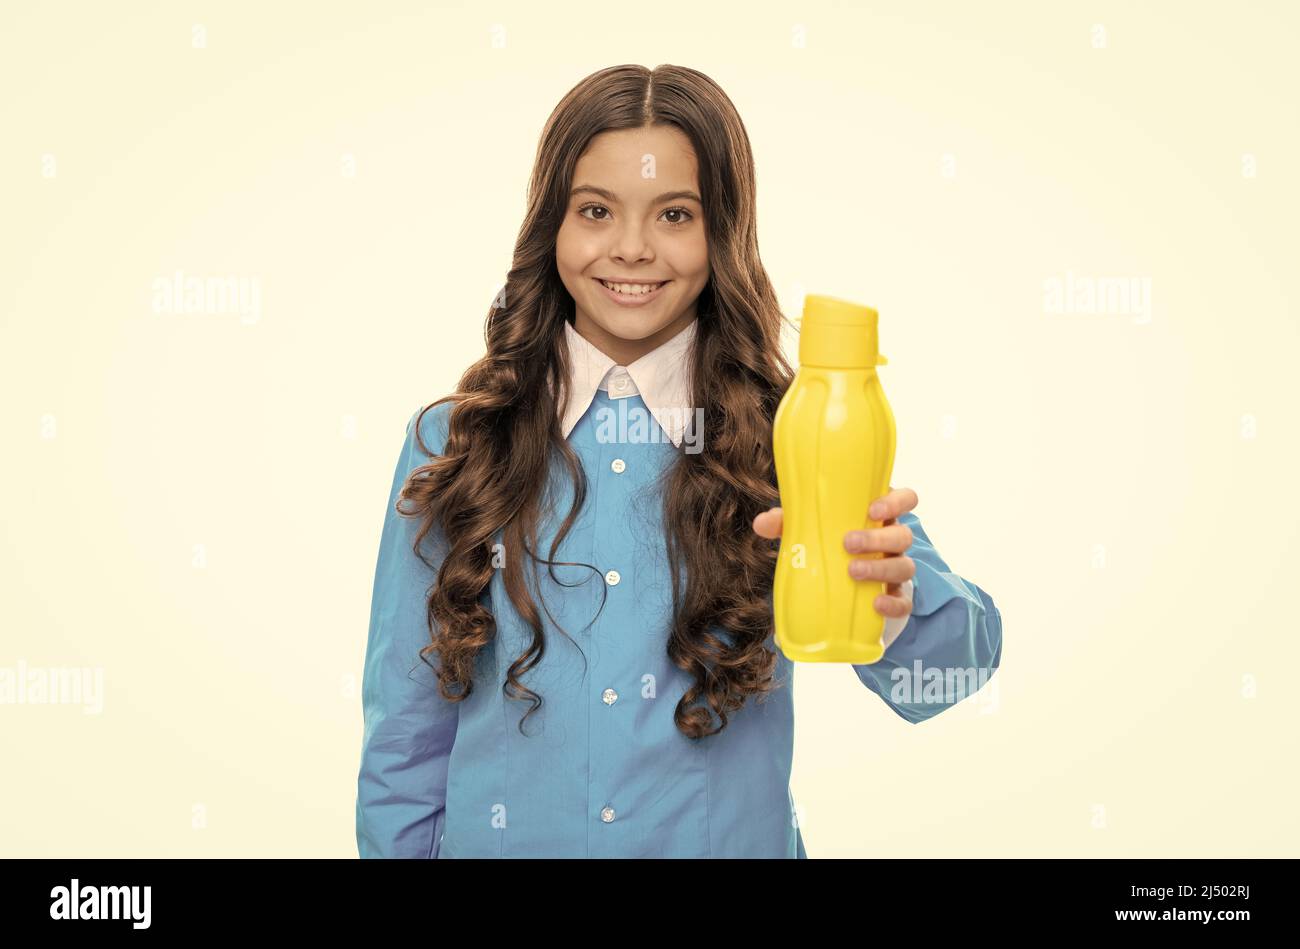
point(837, 334)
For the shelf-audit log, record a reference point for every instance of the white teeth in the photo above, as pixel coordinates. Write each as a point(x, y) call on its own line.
point(632, 288)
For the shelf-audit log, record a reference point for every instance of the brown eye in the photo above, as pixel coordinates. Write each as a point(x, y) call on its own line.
point(593, 207)
point(682, 211)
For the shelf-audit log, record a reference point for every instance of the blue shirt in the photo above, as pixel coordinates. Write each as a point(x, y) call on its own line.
point(603, 770)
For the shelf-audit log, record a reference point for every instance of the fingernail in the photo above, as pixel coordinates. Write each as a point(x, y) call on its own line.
point(876, 511)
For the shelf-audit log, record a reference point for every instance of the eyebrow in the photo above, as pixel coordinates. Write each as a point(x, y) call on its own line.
point(611, 196)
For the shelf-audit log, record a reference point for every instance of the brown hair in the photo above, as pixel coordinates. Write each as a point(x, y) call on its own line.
point(504, 425)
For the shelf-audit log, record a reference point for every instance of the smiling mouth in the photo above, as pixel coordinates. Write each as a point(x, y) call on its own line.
point(631, 289)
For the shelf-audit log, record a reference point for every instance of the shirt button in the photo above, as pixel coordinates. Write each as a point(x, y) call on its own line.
point(609, 696)
point(618, 465)
point(612, 578)
point(607, 814)
point(620, 383)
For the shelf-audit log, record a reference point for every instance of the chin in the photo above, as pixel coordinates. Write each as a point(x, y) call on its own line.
point(630, 329)
point(626, 325)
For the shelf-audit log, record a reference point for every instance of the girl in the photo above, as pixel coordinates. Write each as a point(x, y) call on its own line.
point(570, 650)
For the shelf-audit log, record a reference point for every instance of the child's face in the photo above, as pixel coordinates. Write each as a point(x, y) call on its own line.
point(639, 231)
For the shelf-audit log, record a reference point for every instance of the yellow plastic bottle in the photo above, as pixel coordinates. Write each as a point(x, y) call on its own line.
point(834, 440)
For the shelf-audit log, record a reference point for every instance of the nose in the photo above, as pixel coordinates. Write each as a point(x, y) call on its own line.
point(630, 244)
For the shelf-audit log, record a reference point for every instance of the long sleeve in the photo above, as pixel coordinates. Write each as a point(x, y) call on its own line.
point(953, 639)
point(409, 727)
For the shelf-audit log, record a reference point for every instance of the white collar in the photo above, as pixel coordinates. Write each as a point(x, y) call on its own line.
point(661, 377)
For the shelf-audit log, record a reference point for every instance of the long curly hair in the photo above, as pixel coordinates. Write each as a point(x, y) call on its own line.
point(504, 428)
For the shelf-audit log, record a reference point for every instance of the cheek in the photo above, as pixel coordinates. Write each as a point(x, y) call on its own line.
point(570, 251)
point(691, 260)
point(570, 242)
point(564, 249)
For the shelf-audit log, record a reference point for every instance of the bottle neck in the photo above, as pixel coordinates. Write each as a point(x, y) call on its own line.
point(835, 346)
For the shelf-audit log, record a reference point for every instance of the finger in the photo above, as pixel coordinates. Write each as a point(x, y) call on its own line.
point(897, 501)
point(892, 570)
point(892, 605)
point(768, 523)
point(891, 539)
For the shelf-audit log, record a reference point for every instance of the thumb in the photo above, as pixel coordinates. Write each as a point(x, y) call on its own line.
point(768, 524)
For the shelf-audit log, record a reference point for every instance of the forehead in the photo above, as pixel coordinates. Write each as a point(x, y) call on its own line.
point(644, 161)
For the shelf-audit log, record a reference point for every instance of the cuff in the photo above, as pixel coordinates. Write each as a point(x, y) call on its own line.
point(895, 624)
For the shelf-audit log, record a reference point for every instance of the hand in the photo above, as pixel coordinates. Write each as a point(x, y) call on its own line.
point(891, 539)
